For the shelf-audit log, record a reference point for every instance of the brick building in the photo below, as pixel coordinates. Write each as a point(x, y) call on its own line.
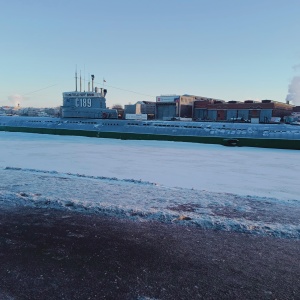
point(217, 110)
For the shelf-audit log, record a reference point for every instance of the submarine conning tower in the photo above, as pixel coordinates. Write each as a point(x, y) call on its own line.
point(89, 105)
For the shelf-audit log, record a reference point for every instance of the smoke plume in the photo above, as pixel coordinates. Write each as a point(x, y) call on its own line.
point(296, 67)
point(294, 88)
point(294, 91)
point(17, 99)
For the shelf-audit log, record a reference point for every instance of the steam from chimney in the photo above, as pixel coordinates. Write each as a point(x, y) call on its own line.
point(16, 99)
point(294, 88)
point(296, 67)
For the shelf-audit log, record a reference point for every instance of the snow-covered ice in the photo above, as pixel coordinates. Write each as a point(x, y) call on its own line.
point(236, 189)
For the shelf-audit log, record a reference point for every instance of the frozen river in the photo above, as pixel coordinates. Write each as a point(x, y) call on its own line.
point(241, 189)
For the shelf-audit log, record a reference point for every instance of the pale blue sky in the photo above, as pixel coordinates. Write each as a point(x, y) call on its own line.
point(226, 49)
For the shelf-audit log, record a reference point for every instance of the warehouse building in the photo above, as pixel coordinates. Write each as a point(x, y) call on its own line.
point(262, 111)
point(141, 107)
point(170, 107)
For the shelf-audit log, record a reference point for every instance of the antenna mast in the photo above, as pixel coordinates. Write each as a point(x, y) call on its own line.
point(84, 77)
point(76, 79)
point(80, 81)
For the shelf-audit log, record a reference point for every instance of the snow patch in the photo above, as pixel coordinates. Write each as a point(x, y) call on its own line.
point(143, 201)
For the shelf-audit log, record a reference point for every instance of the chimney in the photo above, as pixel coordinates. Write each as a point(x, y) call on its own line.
point(92, 82)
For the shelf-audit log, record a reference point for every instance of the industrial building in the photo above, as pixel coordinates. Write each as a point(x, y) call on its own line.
point(169, 107)
point(262, 111)
point(199, 108)
point(141, 107)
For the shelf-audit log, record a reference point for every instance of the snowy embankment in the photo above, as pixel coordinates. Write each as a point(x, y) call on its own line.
point(232, 189)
